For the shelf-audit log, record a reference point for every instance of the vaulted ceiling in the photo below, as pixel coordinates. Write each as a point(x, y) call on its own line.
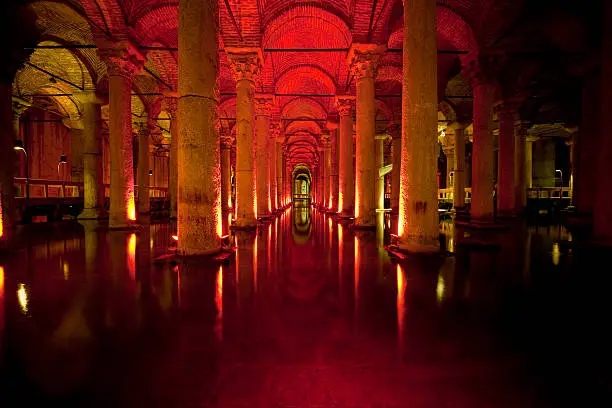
point(305, 82)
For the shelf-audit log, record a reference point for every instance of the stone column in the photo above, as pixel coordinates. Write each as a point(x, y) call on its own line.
point(520, 175)
point(246, 66)
point(170, 105)
point(263, 111)
point(144, 202)
point(334, 179)
point(271, 165)
point(508, 115)
point(346, 187)
point(380, 180)
point(459, 162)
point(602, 230)
point(279, 171)
point(199, 173)
point(93, 183)
point(122, 61)
point(226, 174)
point(363, 60)
point(529, 141)
point(396, 150)
point(483, 173)
point(326, 171)
point(449, 152)
point(418, 225)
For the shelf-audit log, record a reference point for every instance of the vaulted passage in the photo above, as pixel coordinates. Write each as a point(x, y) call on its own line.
point(305, 203)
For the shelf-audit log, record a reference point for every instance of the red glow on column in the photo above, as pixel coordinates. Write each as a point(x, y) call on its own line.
point(131, 256)
point(219, 304)
point(401, 291)
point(131, 207)
point(1, 298)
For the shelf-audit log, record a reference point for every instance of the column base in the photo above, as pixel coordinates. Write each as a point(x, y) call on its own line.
point(346, 215)
point(200, 253)
point(244, 224)
point(92, 214)
point(418, 245)
point(365, 222)
point(123, 226)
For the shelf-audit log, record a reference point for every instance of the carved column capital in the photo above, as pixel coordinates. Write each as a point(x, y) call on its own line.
point(481, 69)
point(170, 103)
point(345, 104)
point(122, 59)
point(275, 130)
point(245, 63)
point(363, 60)
point(226, 142)
point(264, 103)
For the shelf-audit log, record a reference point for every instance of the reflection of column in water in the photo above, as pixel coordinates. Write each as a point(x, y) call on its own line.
point(446, 280)
point(1, 309)
point(401, 307)
point(219, 304)
point(356, 276)
point(246, 261)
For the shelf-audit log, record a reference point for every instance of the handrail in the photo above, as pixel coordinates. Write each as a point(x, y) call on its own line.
point(42, 188)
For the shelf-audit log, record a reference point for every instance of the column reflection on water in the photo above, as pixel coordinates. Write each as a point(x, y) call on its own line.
point(246, 267)
point(2, 307)
point(219, 304)
point(401, 307)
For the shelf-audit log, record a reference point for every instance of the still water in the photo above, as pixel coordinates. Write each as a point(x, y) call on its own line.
point(309, 313)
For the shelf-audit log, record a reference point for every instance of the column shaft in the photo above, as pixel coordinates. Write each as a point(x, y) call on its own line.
point(122, 205)
point(199, 174)
point(262, 130)
point(482, 153)
point(418, 225)
point(380, 181)
point(271, 165)
point(334, 177)
point(93, 183)
point(8, 161)
point(279, 173)
point(520, 141)
point(365, 200)
point(395, 170)
point(171, 107)
point(226, 172)
point(144, 202)
point(506, 202)
point(459, 176)
point(327, 177)
point(346, 194)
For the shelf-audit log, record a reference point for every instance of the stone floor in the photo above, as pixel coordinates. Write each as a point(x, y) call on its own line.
point(307, 314)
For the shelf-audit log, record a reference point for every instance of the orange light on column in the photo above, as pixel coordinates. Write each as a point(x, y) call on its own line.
point(131, 207)
point(131, 256)
point(1, 298)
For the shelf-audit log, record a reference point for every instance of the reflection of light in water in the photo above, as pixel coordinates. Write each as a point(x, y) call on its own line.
point(22, 296)
point(66, 269)
point(401, 290)
point(178, 284)
point(357, 262)
point(151, 243)
point(131, 256)
point(440, 288)
point(219, 304)
point(556, 254)
point(255, 263)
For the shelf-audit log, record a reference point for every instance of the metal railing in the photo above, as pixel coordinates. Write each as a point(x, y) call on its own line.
point(58, 189)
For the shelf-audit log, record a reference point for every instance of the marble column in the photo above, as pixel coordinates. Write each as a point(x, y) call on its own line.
point(363, 60)
point(170, 105)
point(602, 226)
point(199, 172)
point(380, 180)
point(8, 162)
point(246, 66)
point(459, 162)
point(508, 116)
point(529, 141)
point(418, 225)
point(449, 153)
point(346, 183)
point(122, 61)
point(279, 171)
point(271, 165)
point(263, 112)
point(396, 151)
point(483, 173)
point(144, 201)
point(520, 173)
point(93, 182)
point(334, 180)
point(226, 174)
point(326, 172)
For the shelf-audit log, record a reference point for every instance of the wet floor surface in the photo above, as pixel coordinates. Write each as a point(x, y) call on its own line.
point(309, 313)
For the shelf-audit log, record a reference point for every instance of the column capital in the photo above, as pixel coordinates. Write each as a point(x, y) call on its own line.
point(458, 126)
point(509, 107)
point(480, 69)
point(264, 103)
point(19, 106)
point(345, 104)
point(363, 59)
point(157, 135)
point(395, 130)
point(275, 129)
point(382, 136)
point(170, 103)
point(226, 142)
point(122, 59)
point(245, 63)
